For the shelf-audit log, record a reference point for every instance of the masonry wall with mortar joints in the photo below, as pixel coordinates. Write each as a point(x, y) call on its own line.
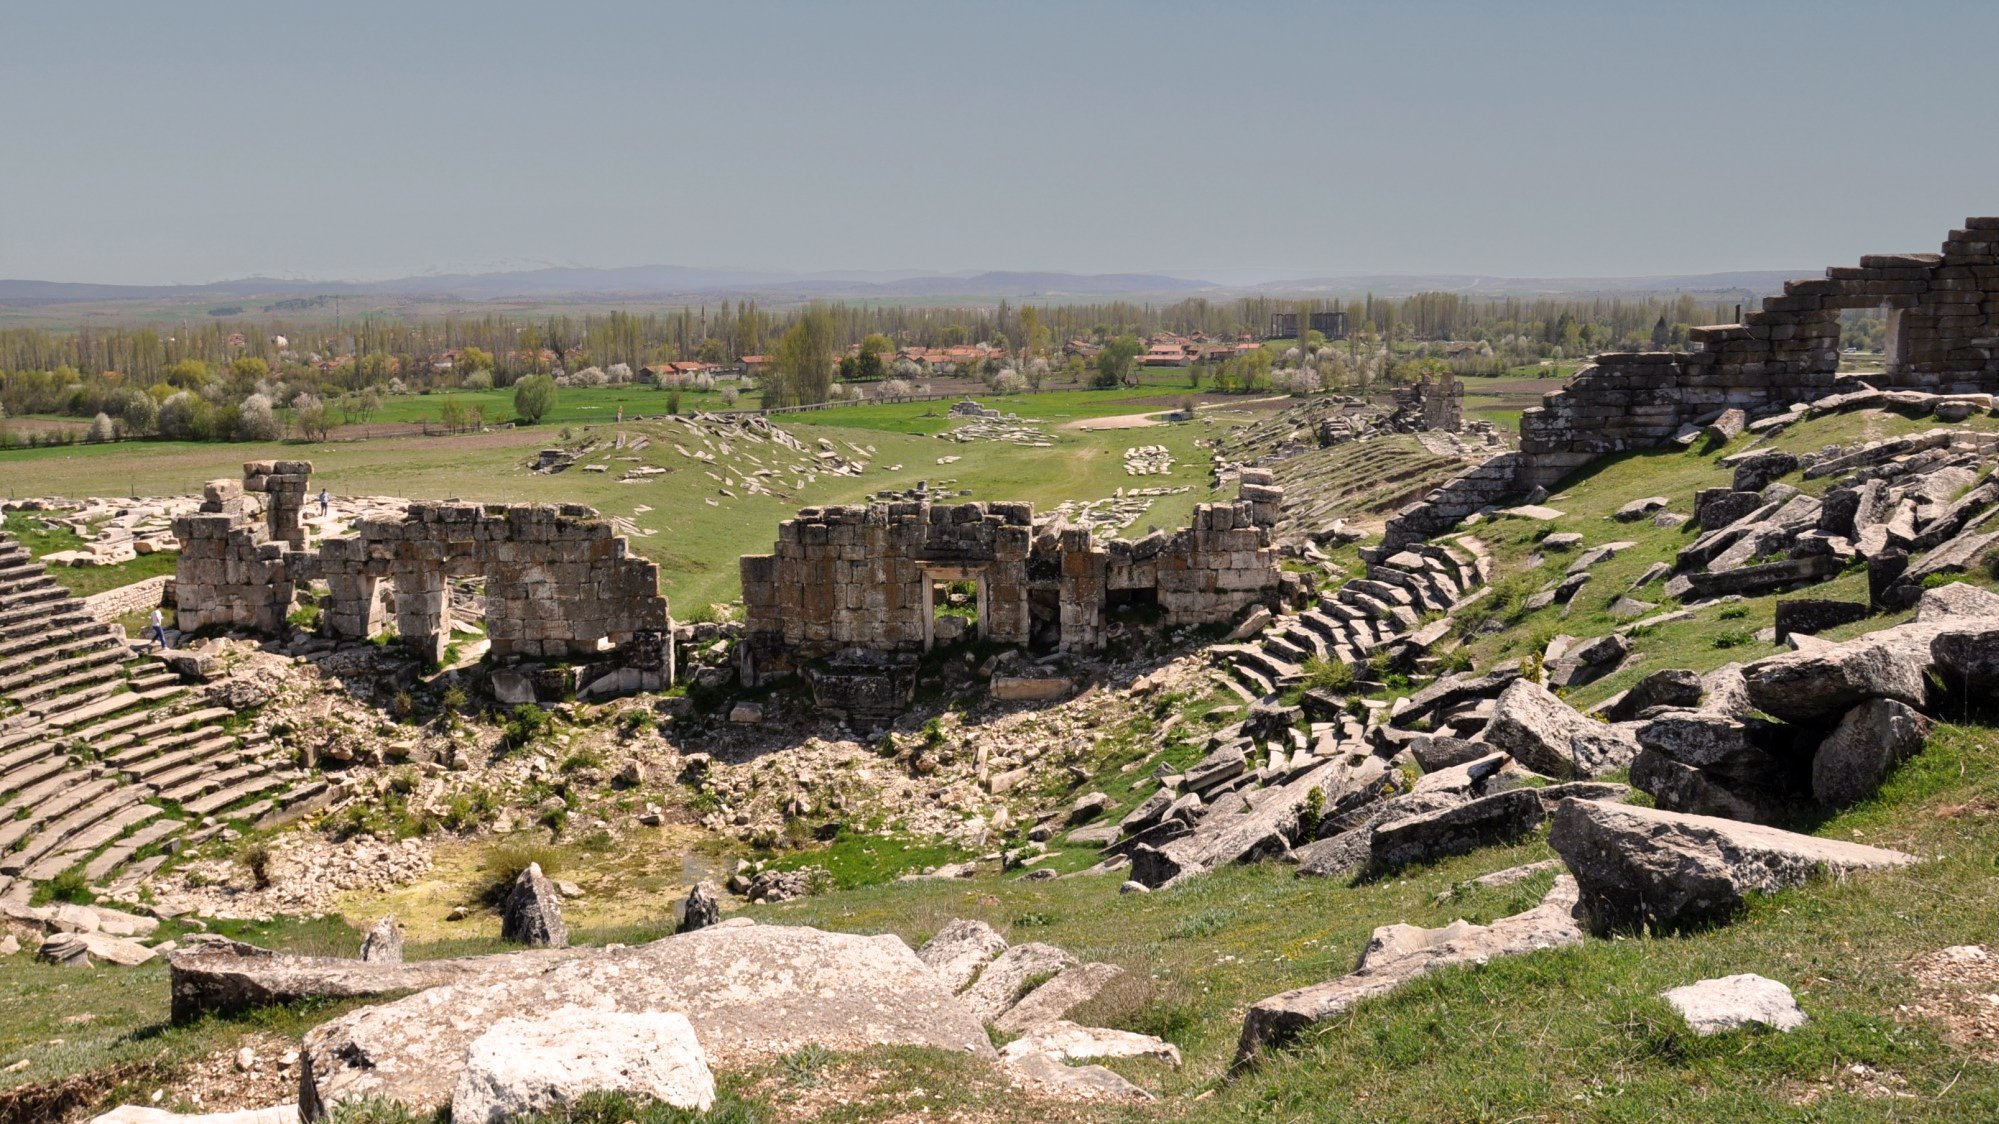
point(857, 580)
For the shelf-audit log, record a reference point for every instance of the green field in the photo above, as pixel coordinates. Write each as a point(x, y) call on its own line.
point(695, 543)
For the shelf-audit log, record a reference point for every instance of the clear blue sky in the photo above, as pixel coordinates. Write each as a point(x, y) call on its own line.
point(157, 142)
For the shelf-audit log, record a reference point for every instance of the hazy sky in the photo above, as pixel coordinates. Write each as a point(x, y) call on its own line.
point(194, 141)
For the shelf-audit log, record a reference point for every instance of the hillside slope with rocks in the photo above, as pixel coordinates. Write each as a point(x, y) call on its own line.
point(1675, 787)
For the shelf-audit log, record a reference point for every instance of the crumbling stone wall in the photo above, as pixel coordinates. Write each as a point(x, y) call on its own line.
point(1943, 331)
point(855, 582)
point(1435, 403)
point(560, 583)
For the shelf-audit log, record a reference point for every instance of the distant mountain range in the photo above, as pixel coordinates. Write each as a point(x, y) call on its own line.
point(667, 282)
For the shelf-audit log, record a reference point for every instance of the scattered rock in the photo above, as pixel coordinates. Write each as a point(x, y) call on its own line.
point(1054, 999)
point(1713, 1006)
point(384, 942)
point(532, 913)
point(1547, 735)
point(999, 987)
point(1400, 953)
point(703, 908)
point(751, 992)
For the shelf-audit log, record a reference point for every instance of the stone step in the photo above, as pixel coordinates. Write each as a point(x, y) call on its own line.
point(120, 853)
point(35, 626)
point(154, 730)
point(242, 787)
point(29, 733)
point(174, 769)
point(59, 833)
point(79, 846)
point(251, 811)
point(65, 691)
point(102, 707)
point(31, 648)
point(14, 569)
point(1280, 648)
point(1308, 643)
point(146, 680)
point(98, 734)
point(34, 607)
point(135, 875)
point(24, 685)
point(46, 764)
point(24, 802)
point(71, 796)
point(209, 780)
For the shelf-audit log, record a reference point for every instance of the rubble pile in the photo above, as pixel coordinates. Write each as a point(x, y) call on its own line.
point(1148, 460)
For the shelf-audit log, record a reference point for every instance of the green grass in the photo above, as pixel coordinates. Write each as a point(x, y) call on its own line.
point(696, 544)
point(37, 539)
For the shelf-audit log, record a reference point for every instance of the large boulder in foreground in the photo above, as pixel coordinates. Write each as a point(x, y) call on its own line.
point(751, 992)
point(1639, 868)
point(1399, 953)
point(549, 1061)
point(1548, 736)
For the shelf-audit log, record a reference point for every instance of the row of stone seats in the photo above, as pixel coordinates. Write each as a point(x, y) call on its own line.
point(103, 745)
point(1384, 609)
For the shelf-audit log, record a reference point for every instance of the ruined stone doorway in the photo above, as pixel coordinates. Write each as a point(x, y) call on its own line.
point(956, 604)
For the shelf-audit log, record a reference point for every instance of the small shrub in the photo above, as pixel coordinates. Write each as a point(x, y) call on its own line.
point(501, 866)
point(1734, 638)
point(1733, 613)
point(256, 858)
point(582, 759)
point(403, 705)
point(525, 725)
point(1328, 675)
point(454, 699)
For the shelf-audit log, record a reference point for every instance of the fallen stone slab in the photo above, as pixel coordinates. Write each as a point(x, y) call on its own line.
point(1023, 688)
point(1066, 1041)
point(225, 979)
point(1548, 736)
point(1678, 787)
point(1050, 1077)
point(1591, 659)
point(1672, 687)
point(999, 987)
point(1822, 683)
point(1263, 823)
point(1752, 580)
point(751, 993)
point(1400, 953)
point(384, 942)
point(1640, 508)
point(1868, 743)
point(961, 950)
point(1813, 615)
point(79, 950)
point(1644, 868)
point(1717, 1005)
point(1054, 999)
point(547, 1062)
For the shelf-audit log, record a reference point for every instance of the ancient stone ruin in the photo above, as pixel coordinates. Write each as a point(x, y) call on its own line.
point(559, 582)
point(1943, 335)
point(858, 582)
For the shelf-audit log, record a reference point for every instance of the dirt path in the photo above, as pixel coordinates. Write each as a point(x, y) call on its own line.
point(1140, 421)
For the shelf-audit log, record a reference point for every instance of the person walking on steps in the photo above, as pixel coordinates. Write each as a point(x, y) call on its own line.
point(160, 629)
point(325, 503)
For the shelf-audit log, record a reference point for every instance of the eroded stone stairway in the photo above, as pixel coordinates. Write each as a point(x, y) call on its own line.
point(1402, 603)
point(106, 759)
